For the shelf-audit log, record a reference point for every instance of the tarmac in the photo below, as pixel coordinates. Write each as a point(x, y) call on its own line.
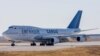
point(27, 47)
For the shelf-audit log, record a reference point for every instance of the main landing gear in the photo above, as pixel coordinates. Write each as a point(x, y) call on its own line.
point(33, 44)
point(47, 42)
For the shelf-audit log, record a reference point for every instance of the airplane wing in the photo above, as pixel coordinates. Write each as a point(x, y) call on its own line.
point(77, 37)
point(70, 35)
point(89, 29)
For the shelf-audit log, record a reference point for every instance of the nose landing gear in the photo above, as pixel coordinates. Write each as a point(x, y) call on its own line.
point(13, 43)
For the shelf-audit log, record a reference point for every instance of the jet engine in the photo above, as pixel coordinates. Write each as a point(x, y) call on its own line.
point(81, 38)
point(56, 40)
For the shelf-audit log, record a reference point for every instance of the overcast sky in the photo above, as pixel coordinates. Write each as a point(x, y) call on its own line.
point(48, 13)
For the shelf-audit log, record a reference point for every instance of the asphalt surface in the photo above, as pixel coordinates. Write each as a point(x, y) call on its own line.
point(27, 47)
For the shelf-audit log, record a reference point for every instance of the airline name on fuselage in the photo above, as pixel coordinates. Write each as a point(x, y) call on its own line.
point(36, 31)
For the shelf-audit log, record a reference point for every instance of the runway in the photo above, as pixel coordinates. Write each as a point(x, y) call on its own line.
point(27, 47)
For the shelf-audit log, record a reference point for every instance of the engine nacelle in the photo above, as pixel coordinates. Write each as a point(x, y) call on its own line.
point(56, 40)
point(81, 38)
point(53, 39)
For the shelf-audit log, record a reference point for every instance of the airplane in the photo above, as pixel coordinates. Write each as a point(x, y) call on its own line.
point(46, 37)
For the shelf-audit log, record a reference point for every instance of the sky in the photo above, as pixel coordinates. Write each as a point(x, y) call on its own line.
point(48, 13)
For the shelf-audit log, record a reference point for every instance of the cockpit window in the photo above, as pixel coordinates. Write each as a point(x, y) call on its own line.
point(12, 27)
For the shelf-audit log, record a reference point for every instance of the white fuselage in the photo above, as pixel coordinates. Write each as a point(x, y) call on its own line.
point(28, 33)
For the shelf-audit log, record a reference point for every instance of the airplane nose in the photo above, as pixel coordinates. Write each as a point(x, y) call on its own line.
point(4, 33)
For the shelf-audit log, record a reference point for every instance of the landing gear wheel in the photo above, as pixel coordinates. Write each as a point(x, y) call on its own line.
point(33, 44)
point(42, 44)
point(12, 44)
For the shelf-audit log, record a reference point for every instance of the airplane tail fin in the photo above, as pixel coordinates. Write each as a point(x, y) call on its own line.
point(76, 21)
